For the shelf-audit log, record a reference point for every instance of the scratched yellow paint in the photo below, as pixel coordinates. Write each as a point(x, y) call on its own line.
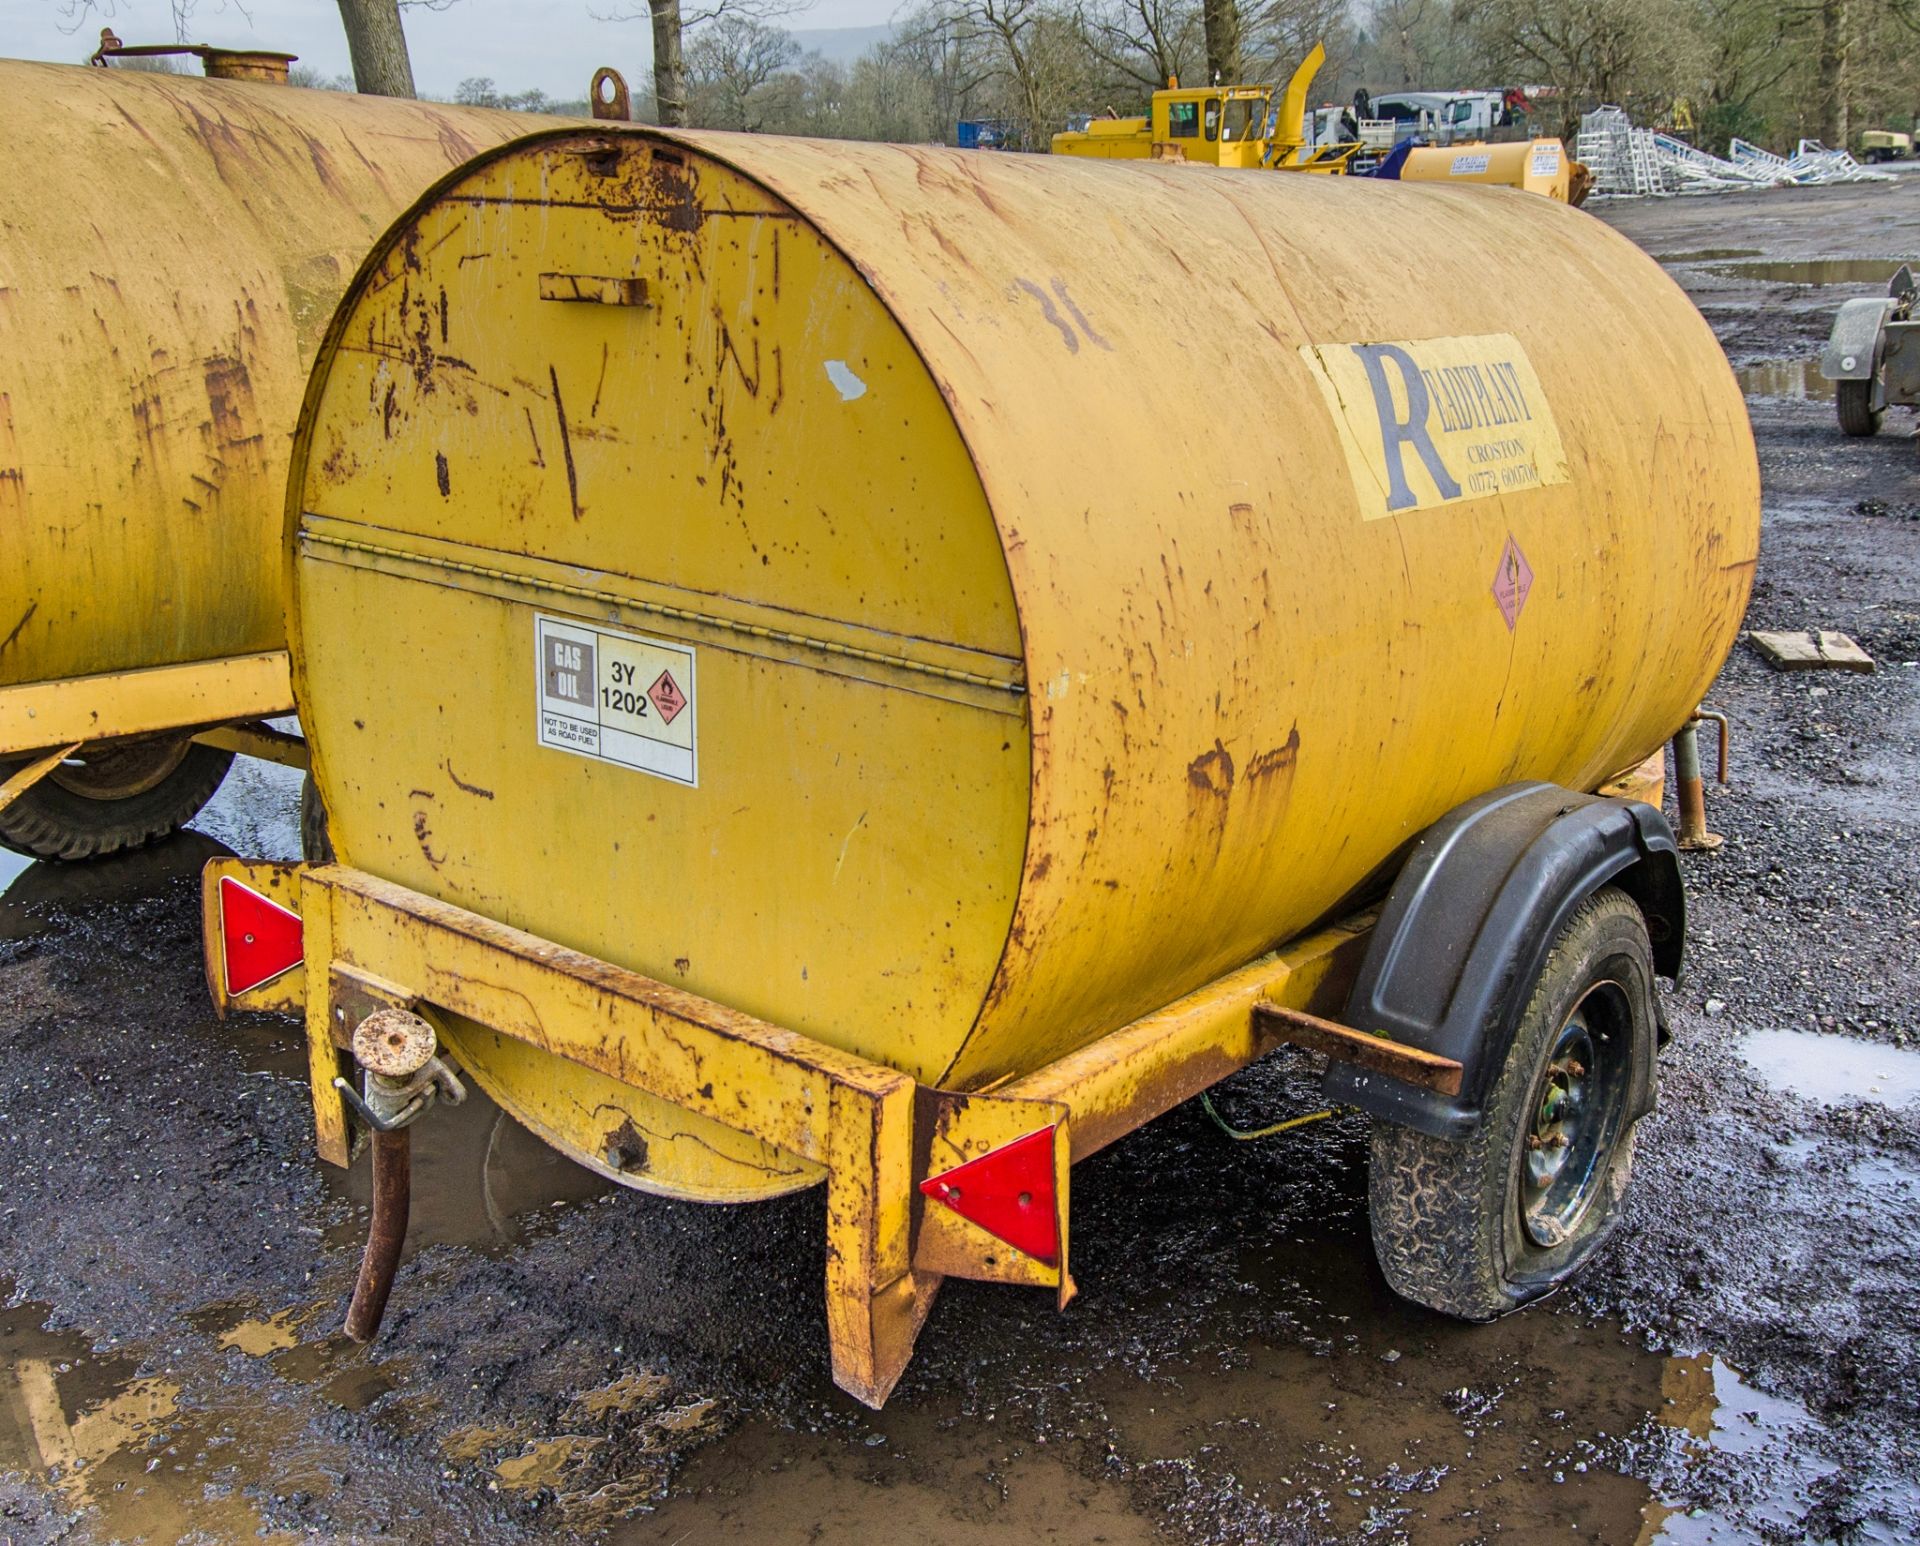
point(1051, 659)
point(171, 252)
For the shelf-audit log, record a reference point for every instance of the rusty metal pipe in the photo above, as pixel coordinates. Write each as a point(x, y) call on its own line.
point(386, 1233)
point(1694, 836)
point(1726, 729)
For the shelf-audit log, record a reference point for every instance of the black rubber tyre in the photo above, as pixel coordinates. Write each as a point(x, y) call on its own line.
point(1467, 1226)
point(1853, 401)
point(113, 798)
point(316, 847)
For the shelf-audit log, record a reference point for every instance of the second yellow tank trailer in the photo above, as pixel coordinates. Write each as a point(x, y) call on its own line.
point(166, 272)
point(891, 667)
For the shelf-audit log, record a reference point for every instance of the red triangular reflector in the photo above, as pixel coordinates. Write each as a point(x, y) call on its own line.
point(260, 938)
point(1008, 1193)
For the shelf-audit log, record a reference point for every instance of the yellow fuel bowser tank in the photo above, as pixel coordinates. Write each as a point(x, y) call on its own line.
point(789, 630)
point(170, 252)
point(1538, 166)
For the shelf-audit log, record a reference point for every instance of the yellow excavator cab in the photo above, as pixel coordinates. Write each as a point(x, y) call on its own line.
point(1217, 125)
point(1233, 126)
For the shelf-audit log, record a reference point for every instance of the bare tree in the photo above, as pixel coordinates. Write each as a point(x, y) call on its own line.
point(1145, 42)
point(1591, 51)
point(377, 44)
point(1032, 54)
point(950, 55)
point(1221, 20)
point(1275, 35)
point(1411, 44)
point(78, 12)
point(727, 65)
point(672, 21)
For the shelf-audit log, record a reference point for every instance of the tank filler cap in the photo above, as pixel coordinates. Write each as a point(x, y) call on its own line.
point(393, 1044)
point(265, 65)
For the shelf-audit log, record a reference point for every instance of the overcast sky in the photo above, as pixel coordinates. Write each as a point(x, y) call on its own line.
point(553, 44)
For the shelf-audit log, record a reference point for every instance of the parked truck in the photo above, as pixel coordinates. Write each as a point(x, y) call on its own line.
point(818, 678)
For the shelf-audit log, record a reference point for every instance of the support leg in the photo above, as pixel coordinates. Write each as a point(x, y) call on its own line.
point(876, 1303)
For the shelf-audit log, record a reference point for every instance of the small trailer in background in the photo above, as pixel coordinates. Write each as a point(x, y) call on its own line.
point(1873, 356)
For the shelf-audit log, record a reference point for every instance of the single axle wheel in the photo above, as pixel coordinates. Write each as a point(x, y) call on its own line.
point(316, 844)
point(108, 798)
point(1479, 1226)
point(1853, 401)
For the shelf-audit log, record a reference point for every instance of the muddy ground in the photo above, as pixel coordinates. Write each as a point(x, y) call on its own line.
point(564, 1361)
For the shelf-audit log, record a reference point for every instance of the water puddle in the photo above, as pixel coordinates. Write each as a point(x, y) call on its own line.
point(118, 1448)
point(480, 1180)
point(910, 1477)
point(1756, 1439)
point(1757, 1448)
point(33, 893)
point(1785, 378)
point(1814, 271)
point(1831, 1069)
point(1708, 255)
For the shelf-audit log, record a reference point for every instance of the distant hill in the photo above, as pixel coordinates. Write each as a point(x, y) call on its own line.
point(844, 44)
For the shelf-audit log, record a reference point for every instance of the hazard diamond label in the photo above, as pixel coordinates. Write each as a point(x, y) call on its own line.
point(617, 697)
point(667, 697)
point(1512, 582)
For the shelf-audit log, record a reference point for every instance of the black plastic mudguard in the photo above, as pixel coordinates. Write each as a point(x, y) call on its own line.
point(1466, 929)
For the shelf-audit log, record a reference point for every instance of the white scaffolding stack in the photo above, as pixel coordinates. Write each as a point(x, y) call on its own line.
point(1636, 163)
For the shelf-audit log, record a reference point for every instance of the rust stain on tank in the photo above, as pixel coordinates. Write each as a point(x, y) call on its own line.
point(229, 397)
point(1277, 759)
point(566, 444)
point(626, 1149)
point(1212, 772)
point(423, 835)
point(14, 633)
point(673, 189)
point(462, 785)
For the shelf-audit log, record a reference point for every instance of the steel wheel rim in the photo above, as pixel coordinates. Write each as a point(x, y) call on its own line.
point(119, 772)
point(1574, 1116)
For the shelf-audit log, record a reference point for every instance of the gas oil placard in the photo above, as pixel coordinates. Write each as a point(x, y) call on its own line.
point(1438, 421)
point(617, 697)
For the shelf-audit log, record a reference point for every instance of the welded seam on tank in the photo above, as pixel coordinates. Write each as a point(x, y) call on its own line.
point(675, 614)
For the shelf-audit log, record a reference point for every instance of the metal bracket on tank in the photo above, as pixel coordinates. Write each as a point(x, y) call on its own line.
point(609, 96)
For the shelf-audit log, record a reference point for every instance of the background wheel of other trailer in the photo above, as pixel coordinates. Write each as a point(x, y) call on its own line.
point(105, 799)
point(1854, 400)
point(316, 847)
point(1479, 1226)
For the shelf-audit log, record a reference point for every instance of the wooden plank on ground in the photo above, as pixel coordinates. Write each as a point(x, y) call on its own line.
point(1814, 650)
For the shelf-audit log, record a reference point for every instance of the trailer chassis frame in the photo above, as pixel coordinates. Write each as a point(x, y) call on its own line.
point(880, 1137)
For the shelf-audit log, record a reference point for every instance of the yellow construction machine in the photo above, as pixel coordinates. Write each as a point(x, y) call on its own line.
point(1239, 126)
point(1218, 126)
